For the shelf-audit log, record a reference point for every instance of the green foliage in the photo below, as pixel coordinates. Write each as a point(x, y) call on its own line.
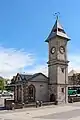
point(1, 84)
point(8, 88)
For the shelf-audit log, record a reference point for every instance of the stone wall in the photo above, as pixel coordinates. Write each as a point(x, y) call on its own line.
point(25, 93)
point(41, 90)
point(8, 104)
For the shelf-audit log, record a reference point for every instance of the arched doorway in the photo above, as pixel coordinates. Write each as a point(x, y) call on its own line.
point(52, 98)
point(31, 93)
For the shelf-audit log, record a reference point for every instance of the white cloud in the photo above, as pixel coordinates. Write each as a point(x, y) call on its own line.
point(39, 68)
point(13, 61)
point(74, 62)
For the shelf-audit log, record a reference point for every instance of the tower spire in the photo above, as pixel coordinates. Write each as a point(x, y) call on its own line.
point(57, 30)
point(58, 63)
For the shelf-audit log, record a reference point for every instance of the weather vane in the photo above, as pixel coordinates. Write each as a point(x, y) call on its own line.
point(57, 15)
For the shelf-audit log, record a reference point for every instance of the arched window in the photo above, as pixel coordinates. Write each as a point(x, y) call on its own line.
point(31, 92)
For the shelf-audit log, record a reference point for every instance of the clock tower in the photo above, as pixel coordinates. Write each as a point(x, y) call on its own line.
point(58, 64)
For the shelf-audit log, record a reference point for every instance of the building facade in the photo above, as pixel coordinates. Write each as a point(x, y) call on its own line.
point(58, 63)
point(30, 88)
point(55, 86)
point(74, 78)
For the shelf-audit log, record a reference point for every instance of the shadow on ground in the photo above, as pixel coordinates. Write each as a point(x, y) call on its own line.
point(62, 116)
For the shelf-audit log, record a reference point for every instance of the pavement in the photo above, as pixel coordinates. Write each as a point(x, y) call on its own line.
point(69, 111)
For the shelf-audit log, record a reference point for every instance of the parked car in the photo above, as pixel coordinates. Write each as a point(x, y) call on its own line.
point(6, 93)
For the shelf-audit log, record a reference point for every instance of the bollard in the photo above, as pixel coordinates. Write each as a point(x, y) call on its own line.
point(40, 103)
point(27, 102)
point(13, 106)
point(72, 100)
point(56, 102)
point(37, 103)
point(22, 105)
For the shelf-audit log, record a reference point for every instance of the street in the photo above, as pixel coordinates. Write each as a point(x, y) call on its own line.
point(61, 112)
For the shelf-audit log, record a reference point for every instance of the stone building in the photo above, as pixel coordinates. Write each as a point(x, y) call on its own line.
point(74, 78)
point(30, 87)
point(55, 86)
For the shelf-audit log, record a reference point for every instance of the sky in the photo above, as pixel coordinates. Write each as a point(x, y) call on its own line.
point(24, 27)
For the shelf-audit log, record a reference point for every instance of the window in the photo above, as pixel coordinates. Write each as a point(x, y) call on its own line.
point(62, 90)
point(62, 69)
point(18, 78)
point(60, 30)
point(41, 85)
point(30, 90)
point(55, 30)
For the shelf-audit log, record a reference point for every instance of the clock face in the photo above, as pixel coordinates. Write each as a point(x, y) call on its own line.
point(62, 49)
point(53, 50)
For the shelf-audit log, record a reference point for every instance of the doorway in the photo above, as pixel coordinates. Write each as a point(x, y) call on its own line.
point(52, 98)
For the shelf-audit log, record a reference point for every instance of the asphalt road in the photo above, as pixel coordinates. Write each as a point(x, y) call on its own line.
point(61, 112)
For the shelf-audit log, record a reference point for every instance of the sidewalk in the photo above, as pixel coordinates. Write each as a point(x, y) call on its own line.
point(69, 111)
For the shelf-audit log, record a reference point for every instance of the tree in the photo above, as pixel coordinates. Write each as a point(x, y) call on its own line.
point(74, 79)
point(1, 84)
point(78, 79)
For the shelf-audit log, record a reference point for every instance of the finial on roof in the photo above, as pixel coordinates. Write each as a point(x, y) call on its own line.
point(57, 15)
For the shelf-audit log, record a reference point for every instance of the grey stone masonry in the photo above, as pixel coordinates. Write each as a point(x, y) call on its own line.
point(58, 64)
point(15, 93)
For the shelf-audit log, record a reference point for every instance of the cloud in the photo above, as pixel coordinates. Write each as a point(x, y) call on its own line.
point(38, 68)
point(74, 62)
point(13, 61)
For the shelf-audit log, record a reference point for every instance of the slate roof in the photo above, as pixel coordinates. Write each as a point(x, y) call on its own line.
point(36, 74)
point(72, 72)
point(25, 77)
point(29, 77)
point(57, 30)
